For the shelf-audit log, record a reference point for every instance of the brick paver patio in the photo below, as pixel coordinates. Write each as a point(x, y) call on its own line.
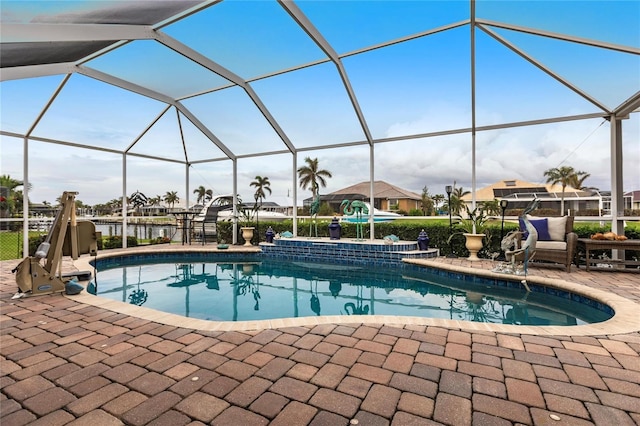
point(66, 362)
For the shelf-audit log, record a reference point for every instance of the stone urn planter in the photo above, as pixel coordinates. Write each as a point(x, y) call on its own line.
point(474, 245)
point(247, 234)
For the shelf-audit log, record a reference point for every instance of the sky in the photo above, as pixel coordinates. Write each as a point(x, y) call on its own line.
point(416, 87)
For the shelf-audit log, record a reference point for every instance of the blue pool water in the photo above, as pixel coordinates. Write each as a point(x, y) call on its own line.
point(251, 288)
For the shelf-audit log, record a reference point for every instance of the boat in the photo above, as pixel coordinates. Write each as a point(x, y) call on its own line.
point(378, 216)
point(221, 209)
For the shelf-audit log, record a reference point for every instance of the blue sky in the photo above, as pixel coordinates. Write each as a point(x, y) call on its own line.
point(415, 87)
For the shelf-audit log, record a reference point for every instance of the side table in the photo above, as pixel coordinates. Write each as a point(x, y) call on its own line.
point(590, 244)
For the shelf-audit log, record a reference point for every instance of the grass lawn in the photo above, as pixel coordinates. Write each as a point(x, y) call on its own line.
point(11, 244)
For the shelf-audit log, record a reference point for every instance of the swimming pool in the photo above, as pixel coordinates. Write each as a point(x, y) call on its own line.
point(250, 287)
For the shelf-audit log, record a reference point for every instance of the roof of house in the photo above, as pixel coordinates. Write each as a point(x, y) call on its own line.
point(635, 195)
point(505, 187)
point(381, 189)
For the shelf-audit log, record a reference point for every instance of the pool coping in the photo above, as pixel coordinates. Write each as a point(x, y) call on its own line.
point(625, 319)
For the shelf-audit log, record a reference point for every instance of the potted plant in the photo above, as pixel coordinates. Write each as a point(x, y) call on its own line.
point(474, 226)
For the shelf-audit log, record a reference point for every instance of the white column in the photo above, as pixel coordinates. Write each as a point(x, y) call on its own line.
point(371, 192)
point(124, 200)
point(473, 108)
point(295, 194)
point(25, 198)
point(617, 189)
point(235, 200)
point(186, 184)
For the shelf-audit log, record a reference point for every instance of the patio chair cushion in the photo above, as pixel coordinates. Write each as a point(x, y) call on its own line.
point(551, 245)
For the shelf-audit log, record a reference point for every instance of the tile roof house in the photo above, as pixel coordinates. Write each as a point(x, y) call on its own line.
point(520, 193)
point(387, 197)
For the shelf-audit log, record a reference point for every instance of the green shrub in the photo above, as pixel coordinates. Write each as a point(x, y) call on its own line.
point(34, 243)
point(115, 241)
point(159, 240)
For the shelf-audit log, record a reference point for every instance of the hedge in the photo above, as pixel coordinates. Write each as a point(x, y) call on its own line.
point(438, 234)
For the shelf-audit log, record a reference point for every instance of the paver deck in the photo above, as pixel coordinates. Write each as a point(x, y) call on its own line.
point(64, 361)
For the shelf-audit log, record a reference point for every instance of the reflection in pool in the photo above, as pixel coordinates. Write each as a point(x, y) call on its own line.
point(257, 289)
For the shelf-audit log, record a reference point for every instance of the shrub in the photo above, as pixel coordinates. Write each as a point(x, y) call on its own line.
point(115, 241)
point(159, 240)
point(34, 242)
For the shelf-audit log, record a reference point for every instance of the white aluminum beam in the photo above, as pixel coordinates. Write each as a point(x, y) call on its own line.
point(627, 107)
point(543, 68)
point(315, 35)
point(202, 60)
point(55, 33)
point(124, 84)
point(406, 38)
point(213, 138)
point(146, 129)
point(98, 75)
point(563, 37)
point(32, 71)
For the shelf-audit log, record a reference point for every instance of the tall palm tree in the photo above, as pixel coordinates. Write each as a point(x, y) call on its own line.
point(261, 184)
point(171, 198)
point(564, 176)
point(311, 177)
point(202, 194)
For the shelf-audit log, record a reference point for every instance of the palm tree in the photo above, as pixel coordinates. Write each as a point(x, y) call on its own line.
point(114, 204)
point(261, 184)
point(577, 182)
point(204, 194)
point(492, 207)
point(171, 198)
point(457, 203)
point(154, 201)
point(10, 199)
point(564, 176)
point(438, 199)
point(311, 177)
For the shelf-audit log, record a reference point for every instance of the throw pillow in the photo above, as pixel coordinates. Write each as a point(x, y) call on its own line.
point(541, 226)
point(557, 227)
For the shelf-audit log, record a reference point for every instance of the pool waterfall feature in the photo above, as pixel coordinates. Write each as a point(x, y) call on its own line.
point(346, 251)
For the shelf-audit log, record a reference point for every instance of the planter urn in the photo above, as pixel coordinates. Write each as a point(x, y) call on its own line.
point(474, 245)
point(247, 234)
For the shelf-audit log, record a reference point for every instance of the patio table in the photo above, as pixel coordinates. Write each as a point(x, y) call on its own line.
point(185, 219)
point(590, 244)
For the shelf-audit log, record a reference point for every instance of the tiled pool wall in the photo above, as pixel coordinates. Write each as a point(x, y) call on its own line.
point(346, 253)
point(515, 283)
point(184, 257)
